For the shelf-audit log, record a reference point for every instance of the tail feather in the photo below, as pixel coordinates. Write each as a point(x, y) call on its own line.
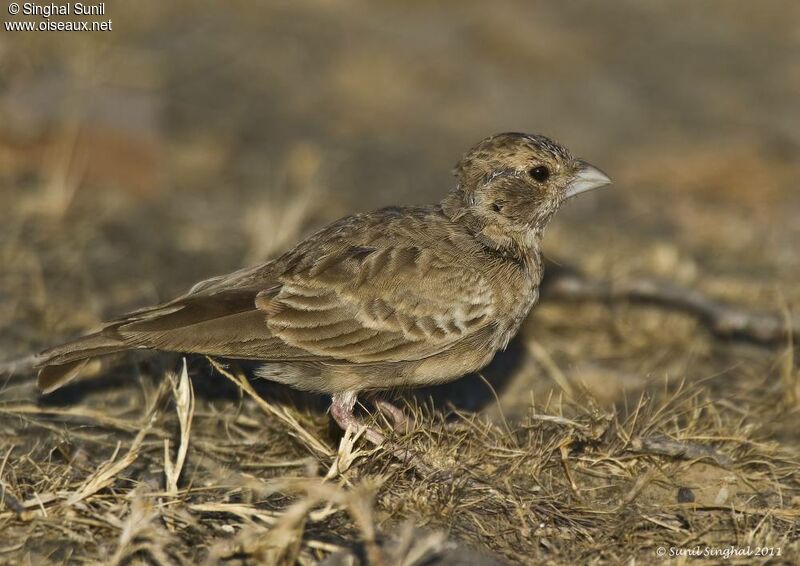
point(62, 364)
point(53, 377)
point(225, 323)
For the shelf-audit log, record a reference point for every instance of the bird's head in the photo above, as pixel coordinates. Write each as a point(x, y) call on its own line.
point(513, 183)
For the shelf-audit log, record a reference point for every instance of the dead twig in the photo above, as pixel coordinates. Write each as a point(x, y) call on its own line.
point(678, 449)
point(722, 319)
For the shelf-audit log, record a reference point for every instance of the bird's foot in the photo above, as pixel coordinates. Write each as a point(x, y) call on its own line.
point(342, 405)
point(342, 411)
point(397, 417)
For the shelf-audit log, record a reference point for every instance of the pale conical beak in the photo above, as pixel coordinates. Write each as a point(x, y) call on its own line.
point(587, 178)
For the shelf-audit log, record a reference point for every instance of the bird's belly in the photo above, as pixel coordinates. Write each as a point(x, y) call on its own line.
point(449, 366)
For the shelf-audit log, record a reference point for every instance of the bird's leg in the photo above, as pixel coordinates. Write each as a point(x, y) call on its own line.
point(399, 420)
point(342, 405)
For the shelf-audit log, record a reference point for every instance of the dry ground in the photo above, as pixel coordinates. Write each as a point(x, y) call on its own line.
point(195, 139)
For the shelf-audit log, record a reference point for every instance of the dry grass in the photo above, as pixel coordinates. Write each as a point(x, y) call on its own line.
point(568, 482)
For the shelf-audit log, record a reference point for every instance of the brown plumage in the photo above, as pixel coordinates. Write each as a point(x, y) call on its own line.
point(402, 296)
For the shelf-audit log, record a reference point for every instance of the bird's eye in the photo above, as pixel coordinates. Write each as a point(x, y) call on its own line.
point(540, 173)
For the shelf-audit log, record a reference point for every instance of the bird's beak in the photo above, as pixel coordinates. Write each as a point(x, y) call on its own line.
point(587, 178)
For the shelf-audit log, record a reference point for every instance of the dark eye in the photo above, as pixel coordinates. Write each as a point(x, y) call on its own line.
point(540, 173)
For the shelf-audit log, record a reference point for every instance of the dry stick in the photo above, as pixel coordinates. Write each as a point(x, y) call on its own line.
point(722, 319)
point(677, 449)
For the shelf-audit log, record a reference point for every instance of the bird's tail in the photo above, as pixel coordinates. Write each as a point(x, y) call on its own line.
point(226, 323)
point(59, 365)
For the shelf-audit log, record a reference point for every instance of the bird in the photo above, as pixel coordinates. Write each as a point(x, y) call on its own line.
point(404, 296)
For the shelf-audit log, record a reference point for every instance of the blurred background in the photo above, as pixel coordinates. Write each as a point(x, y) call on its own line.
point(198, 137)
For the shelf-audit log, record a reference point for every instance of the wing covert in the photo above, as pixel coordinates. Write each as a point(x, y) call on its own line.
point(364, 304)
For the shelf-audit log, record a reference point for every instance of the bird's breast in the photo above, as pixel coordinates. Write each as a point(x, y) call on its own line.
point(517, 296)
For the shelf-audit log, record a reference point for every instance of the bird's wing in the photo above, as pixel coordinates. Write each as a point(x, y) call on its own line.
point(225, 322)
point(387, 286)
point(383, 303)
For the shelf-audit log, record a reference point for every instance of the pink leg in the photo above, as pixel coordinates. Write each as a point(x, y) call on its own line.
point(399, 420)
point(342, 411)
